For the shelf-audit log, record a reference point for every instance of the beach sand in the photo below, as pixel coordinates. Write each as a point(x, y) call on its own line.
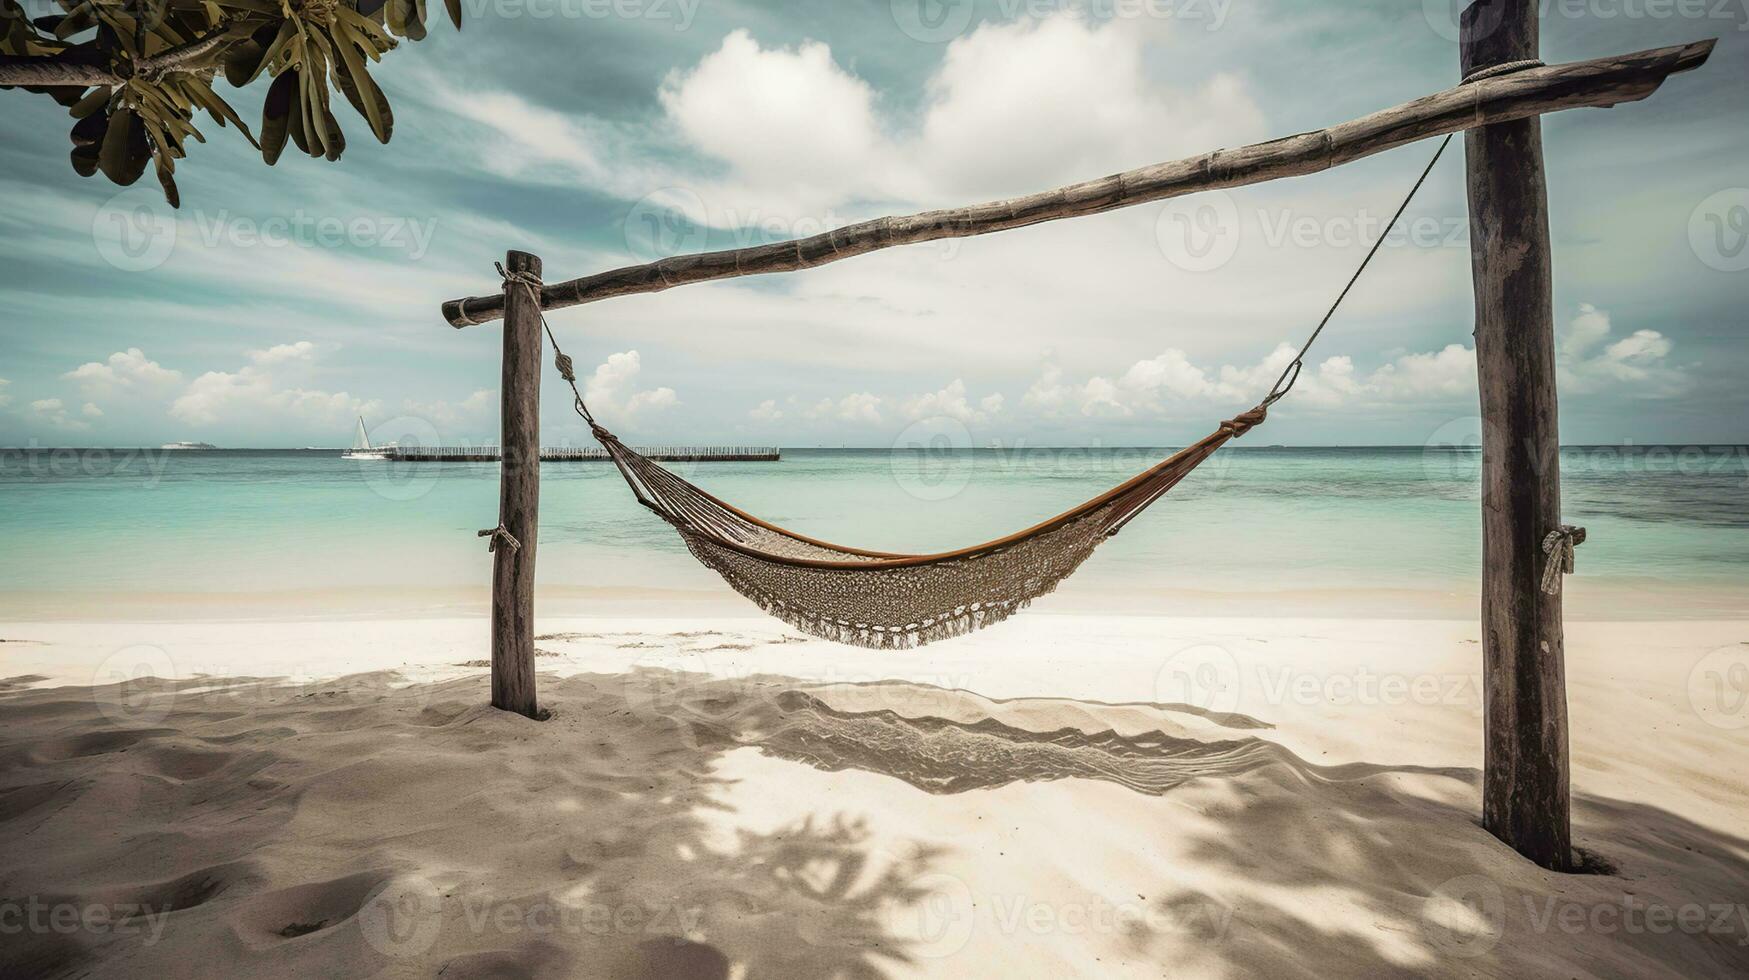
point(1061, 795)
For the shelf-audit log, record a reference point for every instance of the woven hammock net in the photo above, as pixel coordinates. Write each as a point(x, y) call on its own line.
point(896, 601)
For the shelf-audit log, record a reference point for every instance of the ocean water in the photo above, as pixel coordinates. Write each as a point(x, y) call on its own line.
point(1253, 520)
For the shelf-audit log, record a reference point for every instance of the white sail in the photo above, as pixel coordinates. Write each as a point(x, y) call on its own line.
point(361, 442)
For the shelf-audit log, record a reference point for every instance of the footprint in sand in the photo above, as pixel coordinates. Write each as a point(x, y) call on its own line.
point(302, 910)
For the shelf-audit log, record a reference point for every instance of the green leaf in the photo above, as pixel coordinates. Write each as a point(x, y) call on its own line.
point(286, 33)
point(276, 113)
point(295, 127)
point(362, 91)
point(124, 153)
point(335, 139)
point(85, 160)
point(455, 12)
point(89, 131)
point(96, 99)
point(217, 107)
point(169, 184)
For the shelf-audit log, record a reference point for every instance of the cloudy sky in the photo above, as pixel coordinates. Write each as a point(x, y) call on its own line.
point(279, 303)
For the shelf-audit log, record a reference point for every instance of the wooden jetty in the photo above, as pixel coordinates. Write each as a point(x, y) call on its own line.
point(589, 454)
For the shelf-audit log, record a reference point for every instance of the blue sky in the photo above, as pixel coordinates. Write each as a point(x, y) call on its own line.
point(281, 302)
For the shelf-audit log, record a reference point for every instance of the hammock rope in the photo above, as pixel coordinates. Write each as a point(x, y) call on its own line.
point(888, 600)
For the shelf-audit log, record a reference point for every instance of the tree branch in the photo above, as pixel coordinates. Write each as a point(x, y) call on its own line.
point(69, 70)
point(1598, 82)
point(53, 70)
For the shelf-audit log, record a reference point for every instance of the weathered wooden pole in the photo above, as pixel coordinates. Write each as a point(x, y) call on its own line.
point(1525, 791)
point(513, 544)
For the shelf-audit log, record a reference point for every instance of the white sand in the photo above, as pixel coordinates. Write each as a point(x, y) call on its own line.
point(1061, 795)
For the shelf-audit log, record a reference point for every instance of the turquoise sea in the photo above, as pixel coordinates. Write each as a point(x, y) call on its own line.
point(1378, 528)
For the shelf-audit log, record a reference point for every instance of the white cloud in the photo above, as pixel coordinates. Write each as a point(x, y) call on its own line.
point(54, 412)
point(788, 121)
point(613, 388)
point(474, 410)
point(1635, 364)
point(1021, 106)
point(129, 370)
point(765, 411)
point(1171, 382)
point(5, 397)
point(952, 402)
point(784, 138)
point(91, 411)
point(303, 350)
point(256, 394)
point(860, 407)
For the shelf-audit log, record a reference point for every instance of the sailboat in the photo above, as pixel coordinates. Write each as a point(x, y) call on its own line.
point(362, 449)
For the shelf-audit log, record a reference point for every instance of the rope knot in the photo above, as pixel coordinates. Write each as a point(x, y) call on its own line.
point(1558, 546)
point(1240, 424)
point(522, 277)
point(500, 536)
point(562, 361)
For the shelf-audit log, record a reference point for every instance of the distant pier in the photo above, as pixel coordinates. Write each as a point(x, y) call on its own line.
point(591, 454)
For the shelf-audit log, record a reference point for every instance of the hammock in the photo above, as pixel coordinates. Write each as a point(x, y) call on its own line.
point(884, 600)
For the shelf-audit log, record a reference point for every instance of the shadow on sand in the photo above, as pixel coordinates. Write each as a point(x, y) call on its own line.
point(364, 826)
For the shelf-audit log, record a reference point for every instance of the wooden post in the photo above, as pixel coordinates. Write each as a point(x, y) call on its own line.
point(518, 496)
point(1525, 792)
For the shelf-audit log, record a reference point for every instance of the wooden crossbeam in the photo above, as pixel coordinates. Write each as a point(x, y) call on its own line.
point(1520, 95)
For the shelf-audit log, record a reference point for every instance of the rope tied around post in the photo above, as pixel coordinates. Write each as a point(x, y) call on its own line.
point(1558, 546)
point(500, 535)
point(561, 360)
